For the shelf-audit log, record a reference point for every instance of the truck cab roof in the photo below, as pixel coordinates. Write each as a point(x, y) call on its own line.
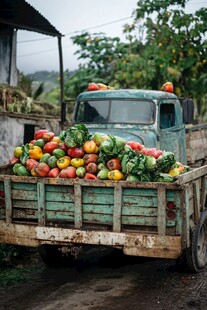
point(127, 93)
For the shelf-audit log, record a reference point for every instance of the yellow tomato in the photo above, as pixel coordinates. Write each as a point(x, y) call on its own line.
point(56, 139)
point(90, 147)
point(35, 152)
point(63, 162)
point(174, 172)
point(77, 162)
point(18, 151)
point(115, 175)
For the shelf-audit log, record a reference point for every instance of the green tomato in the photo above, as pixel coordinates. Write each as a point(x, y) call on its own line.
point(80, 172)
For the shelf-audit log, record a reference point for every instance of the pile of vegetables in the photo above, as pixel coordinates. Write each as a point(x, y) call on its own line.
point(76, 153)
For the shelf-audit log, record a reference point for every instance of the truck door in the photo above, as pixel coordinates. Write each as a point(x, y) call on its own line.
point(171, 129)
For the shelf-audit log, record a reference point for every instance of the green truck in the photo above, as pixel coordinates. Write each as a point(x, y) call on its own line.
point(150, 219)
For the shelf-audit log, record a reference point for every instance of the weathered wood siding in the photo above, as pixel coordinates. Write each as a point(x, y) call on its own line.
point(8, 43)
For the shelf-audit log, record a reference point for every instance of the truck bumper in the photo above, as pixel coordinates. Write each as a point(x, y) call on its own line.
point(132, 243)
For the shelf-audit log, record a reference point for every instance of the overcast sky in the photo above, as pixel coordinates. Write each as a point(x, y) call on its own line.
point(36, 52)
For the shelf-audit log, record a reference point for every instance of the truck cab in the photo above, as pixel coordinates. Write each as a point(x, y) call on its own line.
point(153, 118)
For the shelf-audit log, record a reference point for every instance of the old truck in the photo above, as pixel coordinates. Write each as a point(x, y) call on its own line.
point(150, 219)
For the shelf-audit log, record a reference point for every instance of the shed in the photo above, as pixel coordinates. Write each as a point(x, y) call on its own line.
point(16, 15)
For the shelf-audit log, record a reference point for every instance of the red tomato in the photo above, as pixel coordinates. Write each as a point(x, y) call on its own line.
point(92, 168)
point(39, 133)
point(152, 152)
point(32, 141)
point(31, 164)
point(168, 87)
point(90, 158)
point(53, 173)
point(135, 145)
point(76, 152)
point(13, 160)
point(63, 147)
point(47, 136)
point(69, 172)
point(90, 176)
point(49, 147)
point(42, 169)
point(114, 164)
point(93, 86)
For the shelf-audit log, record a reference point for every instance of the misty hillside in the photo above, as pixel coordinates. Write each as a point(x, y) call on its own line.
point(49, 78)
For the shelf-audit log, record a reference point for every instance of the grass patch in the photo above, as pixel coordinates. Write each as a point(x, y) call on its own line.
point(9, 276)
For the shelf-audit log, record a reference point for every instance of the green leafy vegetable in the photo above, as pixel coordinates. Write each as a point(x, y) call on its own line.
point(165, 161)
point(76, 135)
point(25, 153)
point(111, 147)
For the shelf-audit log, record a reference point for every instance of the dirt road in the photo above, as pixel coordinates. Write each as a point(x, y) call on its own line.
point(107, 280)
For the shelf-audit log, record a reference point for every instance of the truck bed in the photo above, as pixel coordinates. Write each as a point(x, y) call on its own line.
point(196, 143)
point(130, 215)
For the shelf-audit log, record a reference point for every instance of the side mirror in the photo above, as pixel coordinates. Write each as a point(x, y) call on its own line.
point(188, 110)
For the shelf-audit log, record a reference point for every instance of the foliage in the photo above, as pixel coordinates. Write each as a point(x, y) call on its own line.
point(8, 253)
point(11, 269)
point(164, 43)
point(26, 85)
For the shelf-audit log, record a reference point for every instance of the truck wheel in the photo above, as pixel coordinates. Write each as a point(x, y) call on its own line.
point(53, 257)
point(196, 254)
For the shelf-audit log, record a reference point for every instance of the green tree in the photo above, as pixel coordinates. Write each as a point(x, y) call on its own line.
point(176, 44)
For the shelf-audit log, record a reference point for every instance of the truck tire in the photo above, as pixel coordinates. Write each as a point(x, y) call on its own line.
point(52, 256)
point(196, 254)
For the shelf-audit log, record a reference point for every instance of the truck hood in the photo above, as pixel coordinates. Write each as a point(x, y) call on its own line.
point(128, 136)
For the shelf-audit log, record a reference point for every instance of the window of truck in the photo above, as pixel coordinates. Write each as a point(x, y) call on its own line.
point(167, 115)
point(116, 111)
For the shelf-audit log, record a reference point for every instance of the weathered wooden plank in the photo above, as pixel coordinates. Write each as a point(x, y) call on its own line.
point(78, 205)
point(145, 192)
point(57, 197)
point(203, 192)
point(185, 219)
point(196, 201)
point(99, 209)
point(24, 186)
point(1, 186)
point(26, 214)
point(92, 198)
point(8, 200)
point(161, 211)
point(41, 203)
point(98, 190)
point(191, 175)
point(24, 204)
point(59, 206)
point(140, 211)
point(67, 189)
point(24, 195)
point(140, 201)
point(117, 208)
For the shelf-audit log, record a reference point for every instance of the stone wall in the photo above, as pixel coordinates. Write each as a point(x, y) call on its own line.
point(15, 128)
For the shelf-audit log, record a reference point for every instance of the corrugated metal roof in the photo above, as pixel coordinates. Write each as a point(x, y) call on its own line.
point(21, 15)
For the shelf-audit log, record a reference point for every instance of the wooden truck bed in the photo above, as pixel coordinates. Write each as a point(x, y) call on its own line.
point(130, 215)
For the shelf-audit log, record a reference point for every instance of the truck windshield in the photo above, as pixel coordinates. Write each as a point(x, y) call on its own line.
point(116, 111)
